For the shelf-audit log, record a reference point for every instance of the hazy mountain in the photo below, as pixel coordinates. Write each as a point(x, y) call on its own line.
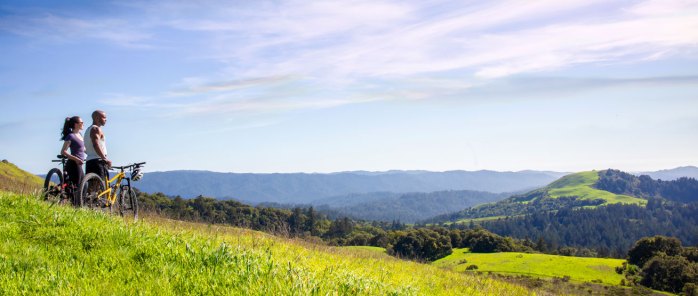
point(304, 188)
point(673, 174)
point(404, 207)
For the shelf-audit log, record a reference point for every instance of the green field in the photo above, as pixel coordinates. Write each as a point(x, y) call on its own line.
point(579, 269)
point(580, 185)
point(59, 250)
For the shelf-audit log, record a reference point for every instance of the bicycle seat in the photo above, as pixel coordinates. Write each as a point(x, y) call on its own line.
point(61, 156)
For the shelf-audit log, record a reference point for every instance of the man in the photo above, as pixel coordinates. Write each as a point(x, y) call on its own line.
point(96, 146)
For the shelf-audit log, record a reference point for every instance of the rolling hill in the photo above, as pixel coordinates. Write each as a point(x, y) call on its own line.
point(12, 178)
point(602, 212)
point(305, 188)
point(571, 191)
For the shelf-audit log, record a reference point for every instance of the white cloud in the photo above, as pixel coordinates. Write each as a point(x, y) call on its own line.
point(55, 27)
point(266, 48)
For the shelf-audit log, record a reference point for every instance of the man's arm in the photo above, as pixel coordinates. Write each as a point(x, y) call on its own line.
point(96, 135)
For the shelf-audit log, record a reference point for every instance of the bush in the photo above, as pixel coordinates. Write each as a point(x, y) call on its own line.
point(471, 267)
point(648, 247)
point(422, 244)
point(690, 289)
point(483, 241)
point(669, 273)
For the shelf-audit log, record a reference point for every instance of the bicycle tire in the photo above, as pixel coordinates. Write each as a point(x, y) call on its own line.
point(90, 188)
point(53, 192)
point(128, 203)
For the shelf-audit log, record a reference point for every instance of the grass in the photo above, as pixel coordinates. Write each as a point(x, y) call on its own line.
point(579, 269)
point(58, 250)
point(580, 185)
point(15, 179)
point(366, 248)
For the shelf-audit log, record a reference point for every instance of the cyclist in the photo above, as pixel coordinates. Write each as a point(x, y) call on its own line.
point(73, 139)
point(95, 143)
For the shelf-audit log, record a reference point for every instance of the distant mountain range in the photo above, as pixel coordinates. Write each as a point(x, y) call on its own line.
point(402, 207)
point(673, 174)
point(295, 188)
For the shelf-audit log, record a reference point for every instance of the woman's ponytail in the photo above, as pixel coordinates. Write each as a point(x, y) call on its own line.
point(68, 126)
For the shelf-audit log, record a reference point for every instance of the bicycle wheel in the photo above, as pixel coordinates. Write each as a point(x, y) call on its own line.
point(90, 188)
point(53, 186)
point(128, 203)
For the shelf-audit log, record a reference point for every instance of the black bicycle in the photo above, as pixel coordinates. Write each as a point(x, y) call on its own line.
point(58, 187)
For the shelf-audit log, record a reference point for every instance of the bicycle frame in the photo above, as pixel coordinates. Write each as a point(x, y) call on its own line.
point(111, 191)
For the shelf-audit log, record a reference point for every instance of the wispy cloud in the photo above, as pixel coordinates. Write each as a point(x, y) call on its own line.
point(197, 85)
point(493, 40)
point(291, 55)
point(53, 27)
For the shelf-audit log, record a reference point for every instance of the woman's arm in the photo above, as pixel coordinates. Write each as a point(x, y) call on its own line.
point(64, 152)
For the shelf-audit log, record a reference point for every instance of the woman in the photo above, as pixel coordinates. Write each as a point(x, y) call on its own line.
point(72, 138)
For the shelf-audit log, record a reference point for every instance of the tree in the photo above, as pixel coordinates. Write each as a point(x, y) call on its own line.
point(648, 247)
point(297, 221)
point(669, 273)
point(422, 244)
point(311, 222)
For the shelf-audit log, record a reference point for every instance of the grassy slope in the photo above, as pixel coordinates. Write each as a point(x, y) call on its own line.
point(60, 250)
point(15, 179)
point(579, 269)
point(580, 184)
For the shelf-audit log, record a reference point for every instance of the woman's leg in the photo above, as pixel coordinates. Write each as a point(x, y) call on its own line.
point(75, 175)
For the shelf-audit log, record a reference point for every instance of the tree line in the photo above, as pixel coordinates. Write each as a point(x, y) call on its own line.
point(684, 190)
point(608, 231)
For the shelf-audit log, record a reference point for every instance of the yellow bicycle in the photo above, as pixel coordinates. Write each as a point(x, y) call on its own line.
point(118, 196)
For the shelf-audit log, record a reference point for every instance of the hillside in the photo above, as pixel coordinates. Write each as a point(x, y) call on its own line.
point(60, 250)
point(571, 191)
point(596, 213)
point(304, 188)
point(15, 179)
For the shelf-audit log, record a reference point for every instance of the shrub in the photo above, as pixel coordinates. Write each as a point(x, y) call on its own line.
point(669, 273)
point(648, 247)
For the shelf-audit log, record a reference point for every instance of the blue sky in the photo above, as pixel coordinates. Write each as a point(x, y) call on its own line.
point(326, 86)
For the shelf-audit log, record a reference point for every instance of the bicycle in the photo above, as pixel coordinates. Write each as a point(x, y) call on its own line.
point(56, 185)
point(118, 196)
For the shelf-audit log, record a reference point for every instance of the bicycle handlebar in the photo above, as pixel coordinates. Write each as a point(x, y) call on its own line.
point(135, 165)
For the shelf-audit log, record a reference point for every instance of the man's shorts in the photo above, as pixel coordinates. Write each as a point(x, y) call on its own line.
point(97, 166)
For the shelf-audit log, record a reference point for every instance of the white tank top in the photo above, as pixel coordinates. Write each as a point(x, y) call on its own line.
point(90, 149)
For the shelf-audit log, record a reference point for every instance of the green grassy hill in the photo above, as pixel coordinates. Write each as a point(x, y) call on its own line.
point(579, 269)
point(59, 250)
point(571, 191)
point(580, 185)
point(15, 179)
